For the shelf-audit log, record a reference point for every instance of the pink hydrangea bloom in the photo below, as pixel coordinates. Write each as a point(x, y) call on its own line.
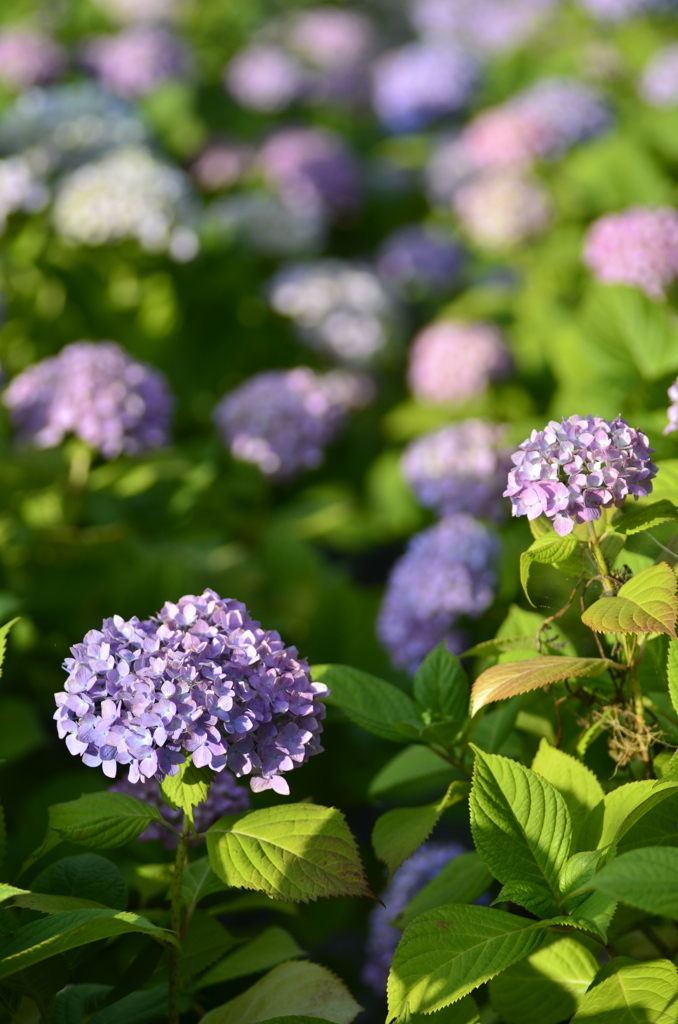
point(637, 247)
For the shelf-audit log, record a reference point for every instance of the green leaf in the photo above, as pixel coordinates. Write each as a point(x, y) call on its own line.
point(658, 827)
point(665, 484)
point(135, 1008)
point(48, 904)
point(204, 942)
point(646, 604)
point(303, 988)
point(672, 673)
point(86, 875)
point(628, 992)
point(41, 939)
point(465, 1011)
point(547, 986)
point(398, 833)
point(78, 1001)
point(448, 952)
point(188, 788)
point(580, 789)
point(594, 914)
point(462, 880)
point(645, 517)
point(646, 879)
point(21, 730)
point(547, 550)
point(8, 892)
point(199, 881)
point(294, 852)
point(514, 677)
point(495, 727)
point(4, 632)
point(272, 946)
point(371, 703)
point(412, 765)
point(625, 806)
point(521, 828)
point(499, 645)
point(441, 688)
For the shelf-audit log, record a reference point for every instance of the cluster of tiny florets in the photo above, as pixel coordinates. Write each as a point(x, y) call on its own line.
point(419, 261)
point(200, 678)
point(28, 58)
point(571, 471)
point(502, 209)
point(485, 27)
point(453, 360)
point(637, 247)
point(95, 391)
point(137, 60)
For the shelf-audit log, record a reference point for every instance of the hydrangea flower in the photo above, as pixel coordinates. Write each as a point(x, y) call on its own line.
point(96, 391)
point(417, 261)
point(486, 27)
point(447, 571)
point(330, 38)
point(659, 81)
point(282, 420)
point(28, 58)
point(418, 870)
point(673, 409)
point(20, 188)
point(221, 165)
point(637, 247)
point(137, 60)
point(502, 210)
point(202, 678)
point(451, 360)
point(572, 470)
point(420, 82)
point(341, 308)
point(266, 223)
point(263, 77)
point(461, 468)
point(127, 194)
point(225, 797)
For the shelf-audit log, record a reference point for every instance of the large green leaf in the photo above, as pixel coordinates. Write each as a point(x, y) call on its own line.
point(371, 703)
point(302, 988)
point(465, 1011)
point(188, 788)
point(672, 673)
point(398, 833)
point(272, 946)
point(205, 942)
point(646, 604)
point(500, 644)
point(293, 852)
point(135, 1008)
point(448, 952)
point(547, 550)
point(625, 806)
point(646, 879)
point(636, 519)
point(415, 764)
point(199, 881)
point(547, 986)
point(514, 677)
point(41, 939)
point(45, 903)
point(628, 992)
point(21, 729)
point(462, 880)
point(495, 728)
point(86, 875)
point(441, 688)
point(658, 827)
point(580, 789)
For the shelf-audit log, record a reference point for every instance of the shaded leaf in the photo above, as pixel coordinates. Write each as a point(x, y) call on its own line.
point(672, 673)
point(86, 875)
point(441, 688)
point(625, 806)
point(646, 879)
point(628, 992)
point(135, 1008)
point(199, 881)
point(496, 727)
point(272, 946)
point(579, 788)
point(645, 517)
point(371, 703)
point(204, 942)
point(415, 763)
point(4, 633)
point(499, 645)
point(463, 880)
point(21, 730)
point(550, 549)
point(511, 678)
point(398, 833)
point(646, 604)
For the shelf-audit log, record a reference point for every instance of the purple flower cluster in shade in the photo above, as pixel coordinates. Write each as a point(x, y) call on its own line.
point(622, 10)
point(417, 871)
point(420, 82)
point(673, 409)
point(282, 420)
point(28, 58)
point(447, 571)
point(225, 797)
point(572, 470)
point(96, 391)
point(419, 261)
point(200, 678)
point(452, 360)
point(264, 77)
point(138, 60)
point(461, 468)
point(487, 27)
point(311, 169)
point(331, 39)
point(659, 81)
point(637, 247)
point(502, 210)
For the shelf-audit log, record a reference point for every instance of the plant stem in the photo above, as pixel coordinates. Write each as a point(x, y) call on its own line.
point(175, 954)
point(596, 549)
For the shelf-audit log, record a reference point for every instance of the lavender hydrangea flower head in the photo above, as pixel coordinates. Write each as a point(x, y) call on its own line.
point(673, 409)
point(20, 188)
point(659, 81)
point(264, 222)
point(419, 261)
point(420, 82)
point(225, 797)
point(28, 58)
point(418, 870)
point(311, 168)
point(572, 470)
point(221, 165)
point(202, 678)
point(499, 211)
point(451, 360)
point(637, 247)
point(460, 468)
point(138, 60)
point(282, 420)
point(447, 571)
point(96, 391)
point(331, 38)
point(486, 27)
point(264, 77)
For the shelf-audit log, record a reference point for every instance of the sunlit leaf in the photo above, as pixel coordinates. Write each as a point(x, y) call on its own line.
point(646, 604)
point(511, 678)
point(628, 992)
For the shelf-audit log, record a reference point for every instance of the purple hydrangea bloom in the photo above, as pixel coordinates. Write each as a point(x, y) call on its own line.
point(461, 468)
point(311, 168)
point(420, 82)
point(417, 871)
point(96, 391)
point(451, 360)
point(485, 26)
point(200, 678)
point(263, 77)
point(447, 571)
point(659, 82)
point(500, 211)
point(225, 797)
point(221, 165)
point(673, 409)
point(330, 38)
point(572, 470)
point(28, 58)
point(137, 60)
point(282, 420)
point(637, 247)
point(417, 260)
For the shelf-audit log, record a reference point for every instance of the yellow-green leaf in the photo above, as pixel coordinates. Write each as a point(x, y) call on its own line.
point(510, 678)
point(646, 604)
